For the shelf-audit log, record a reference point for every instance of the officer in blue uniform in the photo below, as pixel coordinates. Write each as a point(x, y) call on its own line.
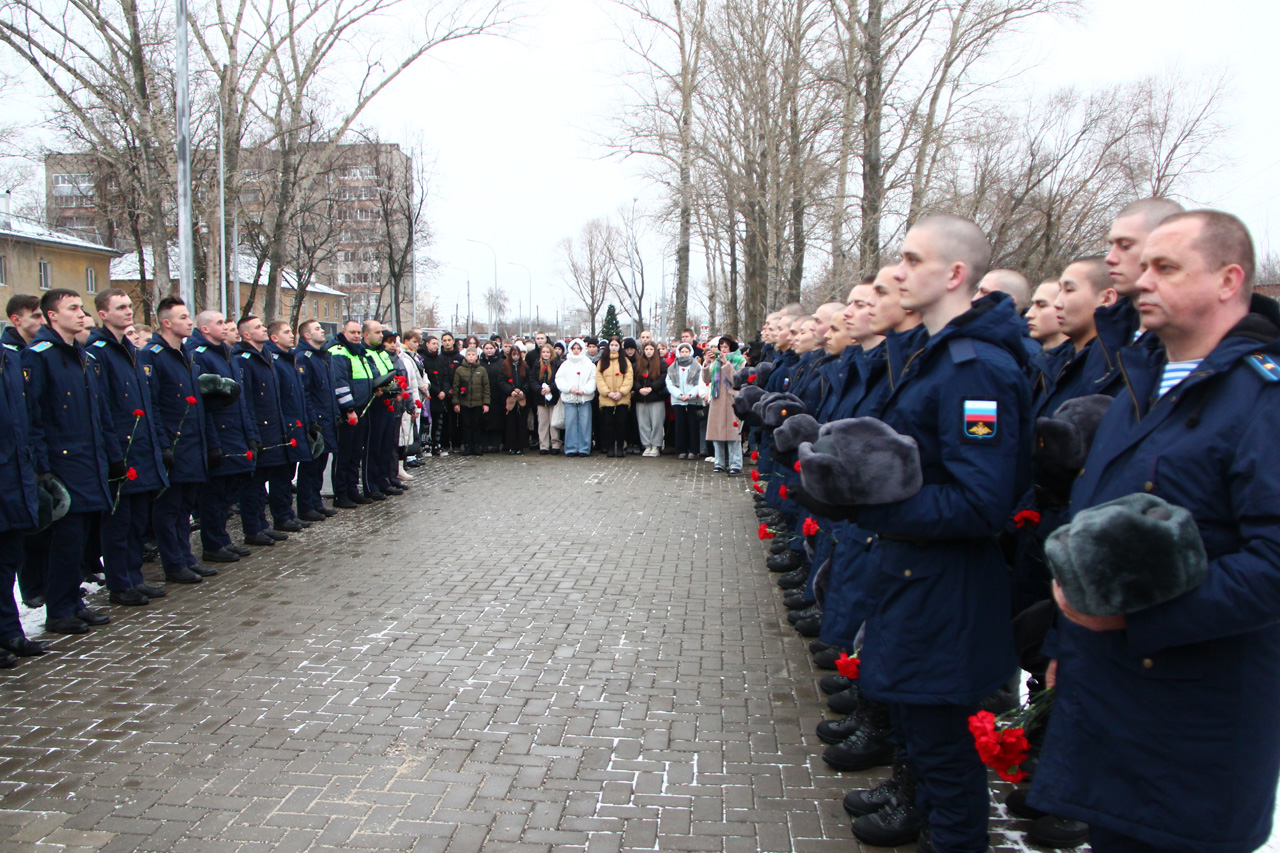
point(25, 319)
point(315, 367)
point(353, 388)
point(74, 441)
point(130, 396)
point(1163, 736)
point(18, 504)
point(181, 418)
point(938, 633)
point(230, 433)
point(299, 422)
point(263, 391)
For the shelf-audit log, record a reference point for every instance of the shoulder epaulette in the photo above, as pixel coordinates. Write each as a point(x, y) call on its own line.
point(99, 343)
point(41, 347)
point(246, 355)
point(308, 353)
point(201, 349)
point(1265, 366)
point(12, 347)
point(156, 348)
point(962, 350)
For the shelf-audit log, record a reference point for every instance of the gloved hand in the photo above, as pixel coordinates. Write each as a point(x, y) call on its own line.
point(45, 479)
point(166, 456)
point(116, 470)
point(256, 447)
point(313, 430)
point(214, 458)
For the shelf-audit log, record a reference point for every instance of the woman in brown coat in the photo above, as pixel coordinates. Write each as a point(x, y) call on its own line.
point(614, 378)
point(723, 430)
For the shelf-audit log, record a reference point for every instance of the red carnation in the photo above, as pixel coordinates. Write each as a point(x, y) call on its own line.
point(462, 390)
point(755, 476)
point(352, 418)
point(735, 424)
point(755, 456)
point(248, 454)
point(764, 532)
point(405, 396)
point(782, 491)
point(644, 376)
point(797, 466)
point(131, 474)
point(758, 488)
point(402, 381)
point(810, 527)
point(293, 442)
point(191, 401)
point(138, 413)
point(847, 666)
point(418, 403)
point(1027, 516)
point(298, 424)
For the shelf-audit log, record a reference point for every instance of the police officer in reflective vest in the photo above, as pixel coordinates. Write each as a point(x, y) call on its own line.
point(75, 442)
point(353, 388)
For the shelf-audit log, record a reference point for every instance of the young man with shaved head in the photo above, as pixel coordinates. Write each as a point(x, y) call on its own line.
point(1163, 736)
point(1042, 317)
point(938, 633)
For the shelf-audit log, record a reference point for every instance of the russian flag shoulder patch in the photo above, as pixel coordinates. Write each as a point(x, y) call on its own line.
point(981, 418)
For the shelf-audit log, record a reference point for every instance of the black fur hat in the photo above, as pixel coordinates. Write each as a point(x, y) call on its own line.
point(218, 391)
point(763, 370)
point(742, 377)
point(794, 430)
point(1126, 555)
point(860, 461)
point(52, 503)
point(747, 397)
point(781, 408)
point(1063, 440)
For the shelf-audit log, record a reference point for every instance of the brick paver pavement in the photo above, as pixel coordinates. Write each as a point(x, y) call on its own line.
point(534, 654)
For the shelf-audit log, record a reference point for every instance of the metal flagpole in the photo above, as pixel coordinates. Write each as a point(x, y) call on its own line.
point(222, 208)
point(186, 259)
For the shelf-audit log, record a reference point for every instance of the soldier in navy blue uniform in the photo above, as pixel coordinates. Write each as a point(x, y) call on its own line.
point(315, 367)
point(1163, 736)
point(230, 434)
point(18, 503)
point(74, 441)
point(25, 319)
point(263, 391)
point(129, 392)
point(938, 634)
point(181, 418)
point(298, 423)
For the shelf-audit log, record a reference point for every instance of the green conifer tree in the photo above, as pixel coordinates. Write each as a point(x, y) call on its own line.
point(610, 329)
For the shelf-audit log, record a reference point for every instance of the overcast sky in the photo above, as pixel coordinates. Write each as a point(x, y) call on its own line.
point(510, 123)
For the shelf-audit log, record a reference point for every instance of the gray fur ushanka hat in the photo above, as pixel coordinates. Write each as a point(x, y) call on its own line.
point(860, 461)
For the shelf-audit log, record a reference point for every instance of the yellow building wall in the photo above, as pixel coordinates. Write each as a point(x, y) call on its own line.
point(66, 267)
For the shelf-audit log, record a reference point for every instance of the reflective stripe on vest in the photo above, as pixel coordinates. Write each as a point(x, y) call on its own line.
point(358, 368)
point(382, 360)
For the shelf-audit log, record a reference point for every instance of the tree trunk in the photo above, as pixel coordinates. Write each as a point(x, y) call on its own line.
point(872, 158)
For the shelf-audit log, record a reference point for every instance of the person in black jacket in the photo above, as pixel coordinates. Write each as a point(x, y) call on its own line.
point(495, 421)
point(437, 367)
point(649, 398)
point(543, 395)
point(514, 376)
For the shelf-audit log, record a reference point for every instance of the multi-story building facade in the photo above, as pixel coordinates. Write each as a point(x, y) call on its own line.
point(353, 233)
point(34, 258)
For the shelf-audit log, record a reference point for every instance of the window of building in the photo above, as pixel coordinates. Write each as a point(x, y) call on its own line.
point(3, 272)
point(326, 309)
point(46, 276)
point(315, 307)
point(90, 280)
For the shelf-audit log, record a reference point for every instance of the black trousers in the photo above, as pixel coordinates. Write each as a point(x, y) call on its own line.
point(66, 564)
point(471, 429)
point(215, 499)
point(352, 441)
point(516, 429)
point(121, 536)
point(280, 484)
point(384, 435)
point(613, 427)
point(35, 561)
point(686, 431)
point(310, 480)
point(171, 517)
point(12, 547)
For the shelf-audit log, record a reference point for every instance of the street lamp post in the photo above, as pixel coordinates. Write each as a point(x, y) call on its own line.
point(495, 278)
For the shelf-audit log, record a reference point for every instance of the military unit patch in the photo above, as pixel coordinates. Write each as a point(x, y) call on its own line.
point(41, 347)
point(146, 368)
point(1265, 366)
point(980, 418)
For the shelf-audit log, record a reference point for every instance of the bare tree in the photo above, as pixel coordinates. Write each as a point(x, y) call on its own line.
point(588, 268)
point(497, 301)
point(627, 272)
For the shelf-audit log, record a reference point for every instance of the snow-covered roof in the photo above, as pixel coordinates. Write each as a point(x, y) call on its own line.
point(21, 228)
point(125, 268)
